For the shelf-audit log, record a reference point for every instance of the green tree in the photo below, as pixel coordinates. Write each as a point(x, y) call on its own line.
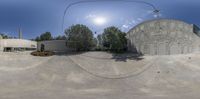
point(43, 37)
point(79, 37)
point(95, 41)
point(114, 39)
point(37, 38)
point(4, 36)
point(99, 42)
point(60, 37)
point(46, 36)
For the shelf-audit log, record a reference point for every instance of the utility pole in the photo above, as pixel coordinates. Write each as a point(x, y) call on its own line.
point(20, 33)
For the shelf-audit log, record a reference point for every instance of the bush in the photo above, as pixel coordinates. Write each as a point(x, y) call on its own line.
point(45, 53)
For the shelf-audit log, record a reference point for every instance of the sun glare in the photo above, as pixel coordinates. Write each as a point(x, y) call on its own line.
point(99, 20)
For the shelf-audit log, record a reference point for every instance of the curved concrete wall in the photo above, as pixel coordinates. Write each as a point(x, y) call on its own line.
point(17, 43)
point(163, 37)
point(54, 45)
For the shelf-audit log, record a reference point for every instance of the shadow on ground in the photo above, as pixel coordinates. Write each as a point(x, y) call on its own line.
point(68, 53)
point(127, 56)
point(117, 57)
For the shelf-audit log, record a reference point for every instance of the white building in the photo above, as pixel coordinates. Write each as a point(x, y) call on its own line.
point(53, 45)
point(8, 45)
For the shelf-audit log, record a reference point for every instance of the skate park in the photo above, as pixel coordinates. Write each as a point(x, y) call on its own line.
point(162, 62)
point(99, 75)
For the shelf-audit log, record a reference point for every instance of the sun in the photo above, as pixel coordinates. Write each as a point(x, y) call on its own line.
point(99, 20)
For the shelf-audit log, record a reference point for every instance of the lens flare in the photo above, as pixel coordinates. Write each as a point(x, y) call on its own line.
point(99, 20)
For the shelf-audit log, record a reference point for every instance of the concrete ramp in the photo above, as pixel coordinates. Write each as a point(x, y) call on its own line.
point(106, 65)
point(67, 77)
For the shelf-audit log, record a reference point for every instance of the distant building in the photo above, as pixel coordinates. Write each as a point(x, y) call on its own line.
point(164, 37)
point(10, 45)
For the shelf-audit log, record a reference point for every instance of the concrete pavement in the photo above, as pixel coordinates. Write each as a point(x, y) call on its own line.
point(65, 77)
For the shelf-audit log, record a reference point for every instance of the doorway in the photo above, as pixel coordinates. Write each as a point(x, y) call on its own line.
point(42, 47)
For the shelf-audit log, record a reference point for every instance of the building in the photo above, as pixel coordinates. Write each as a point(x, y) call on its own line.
point(53, 45)
point(164, 37)
point(10, 45)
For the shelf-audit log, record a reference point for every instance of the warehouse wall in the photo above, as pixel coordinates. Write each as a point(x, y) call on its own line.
point(54, 45)
point(163, 37)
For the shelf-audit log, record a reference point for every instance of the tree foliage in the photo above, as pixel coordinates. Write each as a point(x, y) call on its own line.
point(43, 37)
point(4, 36)
point(60, 37)
point(114, 39)
point(79, 37)
point(99, 45)
point(46, 36)
point(100, 40)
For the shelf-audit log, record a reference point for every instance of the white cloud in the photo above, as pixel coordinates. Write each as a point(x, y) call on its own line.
point(133, 21)
point(139, 19)
point(157, 15)
point(90, 16)
point(125, 26)
point(130, 23)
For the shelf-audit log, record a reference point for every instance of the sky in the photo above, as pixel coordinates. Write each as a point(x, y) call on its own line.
point(39, 16)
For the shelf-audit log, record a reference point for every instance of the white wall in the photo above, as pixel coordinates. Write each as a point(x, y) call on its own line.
point(163, 37)
point(54, 45)
point(17, 43)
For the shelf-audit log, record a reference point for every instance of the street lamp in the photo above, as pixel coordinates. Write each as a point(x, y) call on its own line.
point(157, 12)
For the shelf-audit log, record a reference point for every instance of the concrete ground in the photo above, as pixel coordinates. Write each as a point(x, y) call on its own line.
point(99, 75)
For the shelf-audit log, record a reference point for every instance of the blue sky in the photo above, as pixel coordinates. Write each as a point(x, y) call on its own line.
point(38, 16)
